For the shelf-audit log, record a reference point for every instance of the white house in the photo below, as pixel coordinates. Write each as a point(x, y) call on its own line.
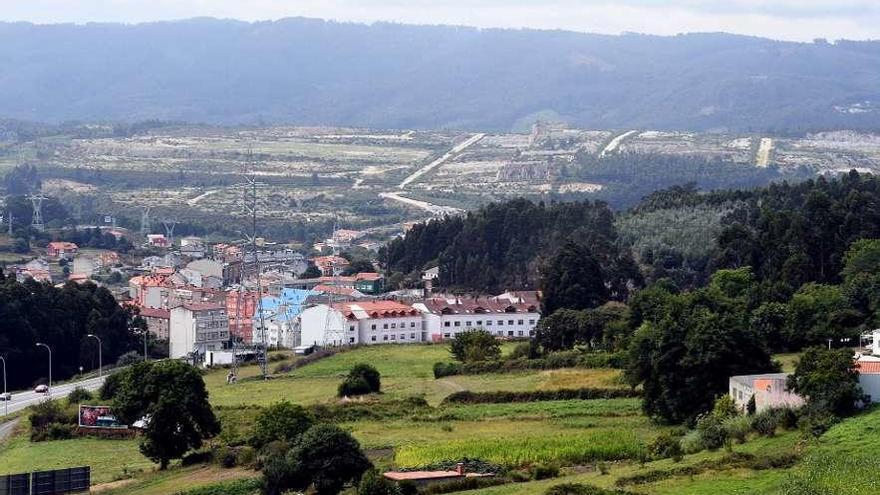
point(770, 390)
point(375, 322)
point(197, 327)
point(869, 376)
point(503, 317)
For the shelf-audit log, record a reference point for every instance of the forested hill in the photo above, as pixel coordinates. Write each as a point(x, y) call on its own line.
point(389, 75)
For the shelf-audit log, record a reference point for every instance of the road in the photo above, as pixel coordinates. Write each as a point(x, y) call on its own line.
point(23, 399)
point(424, 205)
point(612, 145)
point(764, 150)
point(443, 159)
point(7, 428)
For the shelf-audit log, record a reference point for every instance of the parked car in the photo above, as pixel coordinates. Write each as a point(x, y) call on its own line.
point(41, 389)
point(6, 396)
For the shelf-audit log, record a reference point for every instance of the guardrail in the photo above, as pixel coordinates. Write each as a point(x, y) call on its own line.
point(54, 482)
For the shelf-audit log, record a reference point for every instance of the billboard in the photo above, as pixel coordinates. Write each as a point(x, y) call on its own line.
point(97, 417)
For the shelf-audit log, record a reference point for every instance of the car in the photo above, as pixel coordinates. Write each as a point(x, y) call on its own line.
point(6, 396)
point(41, 389)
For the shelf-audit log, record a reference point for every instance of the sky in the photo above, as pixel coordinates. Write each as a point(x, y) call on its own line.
point(795, 20)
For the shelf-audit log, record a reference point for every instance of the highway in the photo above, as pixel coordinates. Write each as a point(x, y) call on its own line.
point(23, 399)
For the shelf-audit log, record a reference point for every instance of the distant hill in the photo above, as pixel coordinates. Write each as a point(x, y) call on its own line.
point(306, 71)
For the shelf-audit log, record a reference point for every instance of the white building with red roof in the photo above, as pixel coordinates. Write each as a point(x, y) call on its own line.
point(349, 323)
point(504, 316)
point(61, 249)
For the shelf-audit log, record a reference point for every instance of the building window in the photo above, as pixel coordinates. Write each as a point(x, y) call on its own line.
point(488, 323)
point(520, 333)
point(373, 338)
point(510, 333)
point(373, 326)
point(394, 325)
point(531, 333)
point(467, 324)
point(445, 335)
point(531, 322)
point(385, 326)
point(384, 337)
point(412, 336)
point(351, 340)
point(500, 323)
point(351, 328)
point(392, 336)
point(457, 324)
point(479, 323)
point(500, 333)
point(412, 324)
point(445, 323)
point(403, 336)
point(520, 322)
point(510, 322)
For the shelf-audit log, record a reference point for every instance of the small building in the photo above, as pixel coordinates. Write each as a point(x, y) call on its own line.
point(157, 240)
point(770, 391)
point(375, 322)
point(445, 317)
point(227, 271)
point(61, 249)
point(869, 376)
point(197, 328)
point(331, 266)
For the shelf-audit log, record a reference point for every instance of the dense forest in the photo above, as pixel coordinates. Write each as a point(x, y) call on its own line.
point(307, 71)
point(501, 246)
point(31, 312)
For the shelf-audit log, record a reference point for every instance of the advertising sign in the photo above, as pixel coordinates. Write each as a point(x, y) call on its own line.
point(97, 417)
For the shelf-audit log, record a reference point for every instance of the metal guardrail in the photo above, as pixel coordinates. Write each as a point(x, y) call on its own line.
point(55, 482)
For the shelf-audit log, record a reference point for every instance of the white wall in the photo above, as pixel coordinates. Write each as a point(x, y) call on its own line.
point(876, 347)
point(181, 333)
point(870, 385)
point(315, 321)
point(521, 326)
point(400, 330)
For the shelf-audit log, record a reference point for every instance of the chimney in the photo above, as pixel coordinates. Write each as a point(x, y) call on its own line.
point(459, 468)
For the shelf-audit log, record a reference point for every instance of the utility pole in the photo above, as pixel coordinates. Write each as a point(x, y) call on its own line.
point(169, 229)
point(40, 344)
point(37, 203)
point(251, 205)
point(145, 221)
point(5, 397)
point(100, 361)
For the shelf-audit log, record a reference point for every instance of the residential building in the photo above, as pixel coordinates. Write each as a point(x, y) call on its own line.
point(869, 376)
point(158, 240)
point(197, 328)
point(158, 321)
point(447, 316)
point(229, 272)
point(331, 266)
point(193, 247)
point(280, 315)
point(375, 322)
point(875, 348)
point(241, 305)
point(770, 390)
point(60, 249)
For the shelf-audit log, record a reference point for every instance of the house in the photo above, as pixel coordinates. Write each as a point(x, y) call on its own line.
point(280, 315)
point(869, 376)
point(109, 259)
point(770, 391)
point(227, 253)
point(158, 321)
point(375, 322)
point(197, 328)
point(158, 240)
point(149, 291)
point(79, 278)
point(228, 272)
point(423, 478)
point(60, 249)
point(330, 265)
point(241, 306)
point(342, 292)
point(447, 316)
point(192, 246)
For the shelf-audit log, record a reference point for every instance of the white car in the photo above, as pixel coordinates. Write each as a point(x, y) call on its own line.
point(41, 389)
point(6, 396)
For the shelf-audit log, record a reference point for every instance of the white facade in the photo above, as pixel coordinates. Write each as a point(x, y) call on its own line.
point(197, 328)
point(382, 322)
point(503, 317)
point(876, 347)
point(322, 325)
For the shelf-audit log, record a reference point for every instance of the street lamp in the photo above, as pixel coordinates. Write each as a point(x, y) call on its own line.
point(5, 397)
point(100, 363)
point(40, 344)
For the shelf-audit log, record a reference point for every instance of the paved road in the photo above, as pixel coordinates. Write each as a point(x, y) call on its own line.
point(615, 143)
point(443, 159)
point(436, 210)
point(23, 399)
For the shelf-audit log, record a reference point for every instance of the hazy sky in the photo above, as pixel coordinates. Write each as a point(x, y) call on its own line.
point(780, 19)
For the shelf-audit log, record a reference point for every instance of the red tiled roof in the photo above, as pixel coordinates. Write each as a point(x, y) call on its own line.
point(331, 289)
point(62, 245)
point(376, 309)
point(155, 313)
point(431, 475)
point(471, 305)
point(203, 306)
point(869, 367)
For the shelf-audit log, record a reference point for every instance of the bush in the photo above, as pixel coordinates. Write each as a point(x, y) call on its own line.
point(817, 423)
point(129, 358)
point(198, 457)
point(468, 397)
point(234, 487)
point(47, 419)
point(59, 431)
point(543, 471)
point(712, 434)
point(665, 446)
point(280, 421)
point(787, 418)
point(110, 386)
point(361, 380)
point(691, 442)
point(724, 408)
point(245, 456)
point(737, 427)
point(352, 386)
point(523, 350)
point(445, 369)
point(373, 483)
point(475, 345)
point(226, 457)
point(765, 423)
point(581, 489)
point(78, 396)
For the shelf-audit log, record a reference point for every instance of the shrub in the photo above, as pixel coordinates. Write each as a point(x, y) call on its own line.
point(765, 423)
point(373, 483)
point(751, 406)
point(543, 471)
point(49, 421)
point(712, 434)
point(129, 358)
point(59, 431)
point(817, 423)
point(369, 374)
point(691, 442)
point(197, 457)
point(523, 350)
point(665, 445)
point(353, 385)
point(234, 487)
point(787, 417)
point(226, 457)
point(724, 408)
point(78, 396)
point(280, 421)
point(475, 345)
point(245, 456)
point(580, 489)
point(110, 386)
point(445, 369)
point(737, 427)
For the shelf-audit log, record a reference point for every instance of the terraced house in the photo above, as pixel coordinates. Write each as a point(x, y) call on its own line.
point(509, 315)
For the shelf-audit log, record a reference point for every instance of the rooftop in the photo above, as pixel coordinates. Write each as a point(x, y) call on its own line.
point(748, 380)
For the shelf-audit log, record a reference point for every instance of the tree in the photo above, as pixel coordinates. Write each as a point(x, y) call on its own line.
point(312, 271)
point(280, 421)
point(373, 483)
point(560, 330)
point(173, 398)
point(572, 279)
point(475, 345)
point(829, 381)
point(359, 265)
point(325, 457)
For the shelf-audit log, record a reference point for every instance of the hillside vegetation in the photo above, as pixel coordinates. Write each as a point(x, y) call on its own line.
point(390, 75)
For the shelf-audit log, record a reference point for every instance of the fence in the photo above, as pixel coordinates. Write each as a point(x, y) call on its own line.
point(56, 482)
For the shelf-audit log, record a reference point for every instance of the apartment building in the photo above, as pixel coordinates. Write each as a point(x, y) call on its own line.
point(197, 327)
